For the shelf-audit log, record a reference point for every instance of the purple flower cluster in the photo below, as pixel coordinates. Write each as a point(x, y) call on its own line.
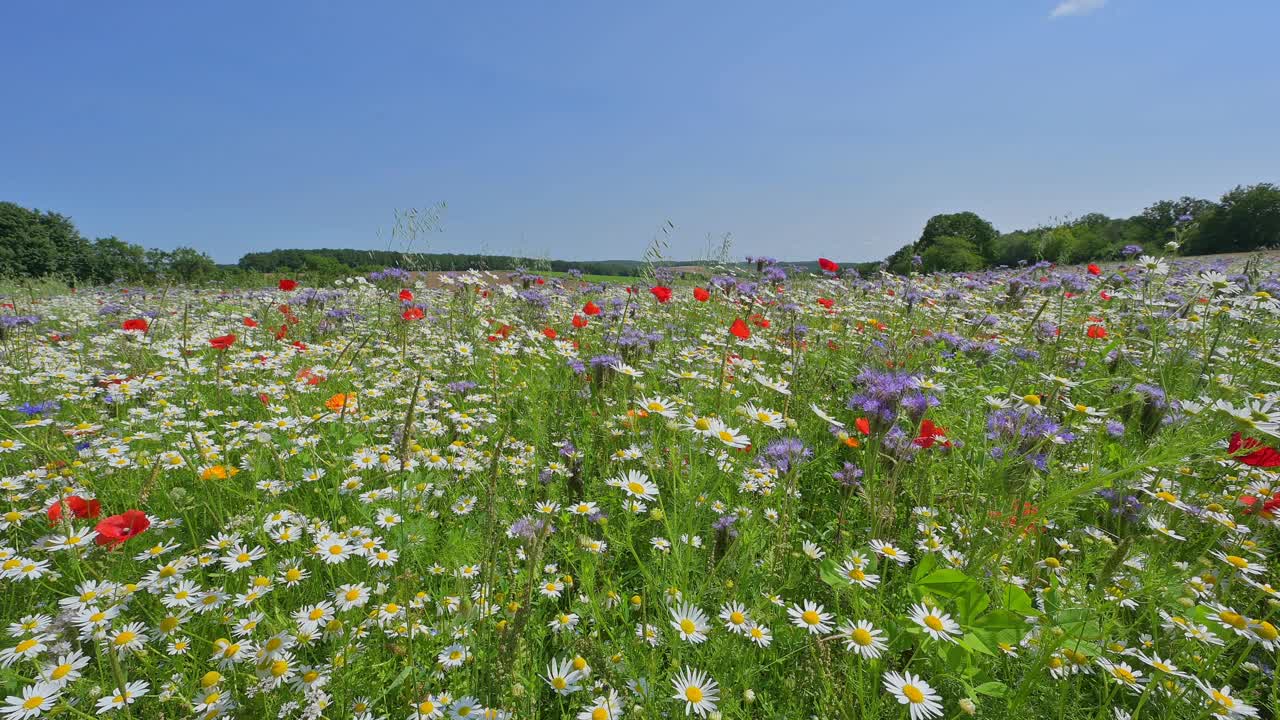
point(882, 397)
point(784, 454)
point(391, 273)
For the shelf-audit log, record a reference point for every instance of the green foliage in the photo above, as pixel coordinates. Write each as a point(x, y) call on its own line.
point(1246, 218)
point(951, 253)
point(328, 260)
point(965, 225)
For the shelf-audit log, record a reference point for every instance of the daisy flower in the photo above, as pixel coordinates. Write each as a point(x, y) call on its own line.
point(562, 678)
point(33, 702)
point(810, 616)
point(690, 622)
point(890, 551)
point(863, 638)
point(735, 617)
point(697, 691)
point(936, 624)
point(123, 696)
point(911, 690)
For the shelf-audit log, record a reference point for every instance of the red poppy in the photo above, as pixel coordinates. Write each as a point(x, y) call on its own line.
point(406, 296)
point(739, 329)
point(288, 285)
point(826, 302)
point(1261, 455)
point(1097, 332)
point(135, 324)
point(827, 265)
point(550, 333)
point(116, 529)
point(222, 343)
point(661, 292)
point(1104, 295)
point(863, 425)
point(701, 294)
point(306, 375)
point(413, 313)
point(284, 330)
point(79, 507)
point(250, 322)
point(591, 309)
point(1094, 269)
point(579, 321)
point(299, 346)
point(285, 309)
point(930, 434)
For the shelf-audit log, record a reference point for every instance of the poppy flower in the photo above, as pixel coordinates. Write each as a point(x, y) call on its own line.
point(550, 333)
point(288, 285)
point(78, 506)
point(308, 376)
point(591, 309)
point(118, 528)
point(739, 329)
point(1094, 269)
point(661, 292)
point(579, 321)
point(1097, 332)
point(930, 434)
point(701, 294)
point(406, 296)
point(282, 331)
point(250, 322)
point(223, 342)
point(827, 265)
point(338, 401)
point(1104, 295)
point(413, 313)
point(138, 324)
point(826, 302)
point(1261, 455)
point(863, 425)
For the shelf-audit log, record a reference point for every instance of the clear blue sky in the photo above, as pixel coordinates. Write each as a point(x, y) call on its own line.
point(572, 130)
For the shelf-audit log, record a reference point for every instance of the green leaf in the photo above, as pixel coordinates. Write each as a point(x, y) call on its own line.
point(974, 643)
point(992, 689)
point(1015, 599)
point(827, 571)
point(948, 583)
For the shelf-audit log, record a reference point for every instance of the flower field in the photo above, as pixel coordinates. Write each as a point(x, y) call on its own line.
point(1046, 492)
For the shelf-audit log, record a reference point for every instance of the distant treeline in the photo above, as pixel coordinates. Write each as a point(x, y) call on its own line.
point(1245, 218)
point(45, 244)
point(328, 261)
point(36, 243)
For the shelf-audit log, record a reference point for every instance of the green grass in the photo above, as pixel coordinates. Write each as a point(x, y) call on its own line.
point(516, 493)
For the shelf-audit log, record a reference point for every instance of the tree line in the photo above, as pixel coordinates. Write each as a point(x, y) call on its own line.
point(333, 261)
point(37, 244)
point(1243, 219)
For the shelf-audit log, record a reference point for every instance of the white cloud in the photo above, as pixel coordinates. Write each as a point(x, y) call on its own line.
point(1076, 7)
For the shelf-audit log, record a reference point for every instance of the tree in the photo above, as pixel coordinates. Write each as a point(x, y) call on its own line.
point(1160, 218)
point(183, 264)
point(113, 259)
point(951, 253)
point(967, 225)
point(1247, 218)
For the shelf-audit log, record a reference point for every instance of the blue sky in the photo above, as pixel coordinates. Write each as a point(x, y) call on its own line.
point(573, 130)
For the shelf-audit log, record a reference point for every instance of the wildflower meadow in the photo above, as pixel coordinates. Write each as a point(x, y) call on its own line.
point(1041, 492)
